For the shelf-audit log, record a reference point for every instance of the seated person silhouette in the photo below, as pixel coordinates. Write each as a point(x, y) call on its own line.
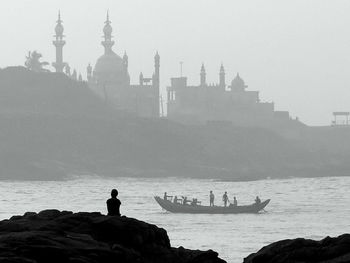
point(113, 204)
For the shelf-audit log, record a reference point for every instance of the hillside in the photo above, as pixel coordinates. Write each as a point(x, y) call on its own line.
point(52, 126)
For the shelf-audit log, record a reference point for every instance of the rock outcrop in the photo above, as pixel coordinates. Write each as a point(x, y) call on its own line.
point(53, 236)
point(330, 250)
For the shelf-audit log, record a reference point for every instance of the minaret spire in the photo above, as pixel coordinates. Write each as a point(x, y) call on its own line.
point(107, 31)
point(222, 76)
point(59, 43)
point(156, 81)
point(203, 76)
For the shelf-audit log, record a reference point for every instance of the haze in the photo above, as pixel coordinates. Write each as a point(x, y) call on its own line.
point(296, 53)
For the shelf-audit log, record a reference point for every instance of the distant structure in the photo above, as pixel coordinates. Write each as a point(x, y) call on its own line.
point(59, 43)
point(344, 118)
point(110, 79)
point(221, 103)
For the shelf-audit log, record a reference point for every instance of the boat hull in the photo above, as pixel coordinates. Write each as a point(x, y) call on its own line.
point(200, 209)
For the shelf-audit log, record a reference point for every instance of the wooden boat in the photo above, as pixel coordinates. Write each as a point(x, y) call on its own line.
point(201, 209)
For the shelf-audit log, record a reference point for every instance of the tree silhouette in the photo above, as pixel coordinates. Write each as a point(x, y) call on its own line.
point(33, 62)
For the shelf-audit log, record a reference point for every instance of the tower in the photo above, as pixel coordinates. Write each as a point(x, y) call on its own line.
point(222, 76)
point(156, 70)
point(126, 60)
point(108, 43)
point(203, 76)
point(89, 72)
point(156, 84)
point(59, 43)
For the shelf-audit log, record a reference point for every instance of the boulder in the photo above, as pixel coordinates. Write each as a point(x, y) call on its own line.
point(62, 236)
point(330, 250)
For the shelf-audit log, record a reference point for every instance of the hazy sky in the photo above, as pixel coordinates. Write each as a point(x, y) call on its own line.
point(296, 52)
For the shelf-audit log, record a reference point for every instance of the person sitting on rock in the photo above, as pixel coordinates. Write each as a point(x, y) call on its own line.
point(113, 204)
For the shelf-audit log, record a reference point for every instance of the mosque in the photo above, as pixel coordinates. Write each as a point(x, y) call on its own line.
point(222, 103)
point(110, 78)
point(201, 104)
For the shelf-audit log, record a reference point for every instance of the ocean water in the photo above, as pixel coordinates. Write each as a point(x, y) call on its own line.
point(310, 208)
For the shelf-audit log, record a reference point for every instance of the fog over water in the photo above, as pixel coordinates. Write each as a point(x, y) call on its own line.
point(296, 53)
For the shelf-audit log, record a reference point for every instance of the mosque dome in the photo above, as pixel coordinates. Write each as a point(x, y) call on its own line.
point(111, 67)
point(238, 83)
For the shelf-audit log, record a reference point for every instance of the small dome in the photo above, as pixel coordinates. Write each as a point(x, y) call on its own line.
point(59, 29)
point(238, 83)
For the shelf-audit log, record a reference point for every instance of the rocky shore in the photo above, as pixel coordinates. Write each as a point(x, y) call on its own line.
point(330, 250)
point(62, 236)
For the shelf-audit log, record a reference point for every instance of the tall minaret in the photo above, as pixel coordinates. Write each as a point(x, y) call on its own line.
point(89, 72)
point(222, 76)
point(156, 70)
point(59, 43)
point(107, 31)
point(126, 61)
point(203, 76)
point(156, 84)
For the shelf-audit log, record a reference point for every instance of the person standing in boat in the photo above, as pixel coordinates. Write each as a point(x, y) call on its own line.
point(225, 199)
point(211, 198)
point(257, 200)
point(166, 196)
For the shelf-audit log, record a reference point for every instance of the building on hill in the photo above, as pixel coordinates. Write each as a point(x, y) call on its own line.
point(110, 77)
point(222, 103)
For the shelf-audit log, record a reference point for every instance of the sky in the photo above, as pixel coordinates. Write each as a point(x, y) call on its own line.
point(296, 53)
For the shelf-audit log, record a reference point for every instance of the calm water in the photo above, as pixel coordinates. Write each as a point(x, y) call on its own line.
point(312, 208)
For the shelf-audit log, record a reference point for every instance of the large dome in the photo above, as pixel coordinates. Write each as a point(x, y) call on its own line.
point(111, 68)
point(110, 62)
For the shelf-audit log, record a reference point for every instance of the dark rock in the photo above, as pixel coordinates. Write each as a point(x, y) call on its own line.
point(54, 236)
point(330, 250)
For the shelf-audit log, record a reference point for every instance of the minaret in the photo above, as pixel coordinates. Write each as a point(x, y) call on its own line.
point(222, 76)
point(141, 79)
point(126, 61)
point(203, 76)
point(107, 31)
point(59, 43)
point(89, 72)
point(156, 70)
point(156, 84)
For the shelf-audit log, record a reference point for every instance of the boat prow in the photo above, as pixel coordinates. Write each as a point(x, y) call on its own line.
point(200, 209)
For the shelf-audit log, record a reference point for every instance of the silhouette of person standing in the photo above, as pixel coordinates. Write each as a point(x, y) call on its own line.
point(113, 204)
point(211, 198)
point(225, 199)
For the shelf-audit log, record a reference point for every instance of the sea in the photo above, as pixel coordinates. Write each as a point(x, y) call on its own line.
point(308, 207)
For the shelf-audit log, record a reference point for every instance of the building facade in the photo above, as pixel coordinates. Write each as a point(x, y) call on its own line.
point(220, 103)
